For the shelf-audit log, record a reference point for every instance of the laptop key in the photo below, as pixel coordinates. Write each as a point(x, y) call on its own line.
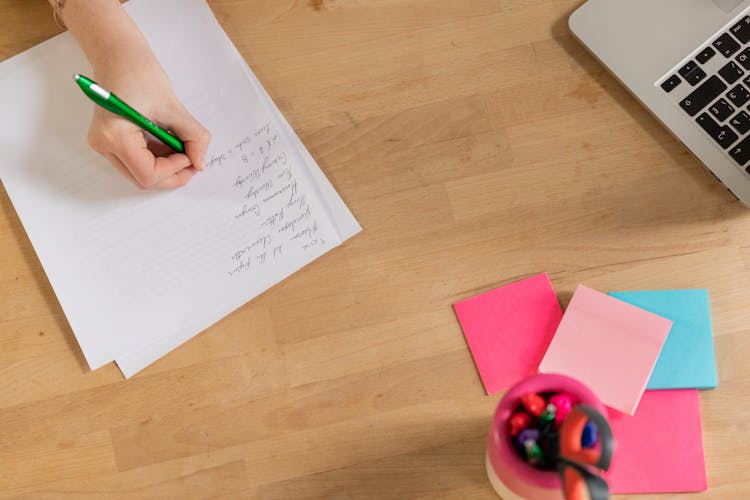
point(708, 124)
point(739, 95)
point(726, 45)
point(742, 30)
point(721, 110)
point(731, 72)
point(695, 76)
point(725, 137)
point(703, 95)
point(687, 69)
point(741, 151)
point(744, 58)
point(705, 55)
point(670, 83)
point(741, 122)
point(722, 135)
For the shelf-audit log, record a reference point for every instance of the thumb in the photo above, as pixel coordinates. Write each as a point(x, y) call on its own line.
point(195, 136)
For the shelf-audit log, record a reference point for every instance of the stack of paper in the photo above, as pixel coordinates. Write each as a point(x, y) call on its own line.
point(609, 345)
point(618, 345)
point(508, 329)
point(138, 273)
point(660, 448)
point(687, 359)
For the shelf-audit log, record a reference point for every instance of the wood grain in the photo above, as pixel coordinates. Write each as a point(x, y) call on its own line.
point(477, 143)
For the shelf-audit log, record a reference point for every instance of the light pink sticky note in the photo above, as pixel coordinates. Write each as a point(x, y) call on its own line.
point(660, 448)
point(609, 345)
point(509, 328)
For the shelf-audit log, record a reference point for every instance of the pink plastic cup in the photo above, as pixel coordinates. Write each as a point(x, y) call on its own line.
point(511, 476)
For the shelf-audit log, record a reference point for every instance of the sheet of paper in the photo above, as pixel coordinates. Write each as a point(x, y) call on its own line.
point(687, 359)
point(609, 345)
point(347, 226)
point(660, 448)
point(509, 328)
point(133, 269)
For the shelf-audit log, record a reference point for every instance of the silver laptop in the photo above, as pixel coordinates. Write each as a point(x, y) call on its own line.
point(688, 62)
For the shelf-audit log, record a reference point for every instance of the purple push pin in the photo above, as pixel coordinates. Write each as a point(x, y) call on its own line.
point(530, 434)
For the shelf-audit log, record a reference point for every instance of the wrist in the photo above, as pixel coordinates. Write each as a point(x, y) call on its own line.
point(123, 58)
point(105, 32)
point(113, 44)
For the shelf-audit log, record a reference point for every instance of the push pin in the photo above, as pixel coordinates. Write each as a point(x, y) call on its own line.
point(589, 435)
point(533, 403)
point(546, 422)
point(563, 404)
point(527, 435)
point(533, 452)
point(518, 422)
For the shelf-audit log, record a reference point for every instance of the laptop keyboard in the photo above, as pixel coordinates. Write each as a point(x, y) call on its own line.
point(713, 88)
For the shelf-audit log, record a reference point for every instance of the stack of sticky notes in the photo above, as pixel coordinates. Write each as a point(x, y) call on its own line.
point(644, 354)
point(509, 328)
point(687, 359)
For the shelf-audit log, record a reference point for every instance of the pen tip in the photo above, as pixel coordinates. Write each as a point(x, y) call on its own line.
point(76, 77)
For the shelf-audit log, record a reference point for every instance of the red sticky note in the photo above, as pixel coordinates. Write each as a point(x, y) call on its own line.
point(660, 448)
point(509, 328)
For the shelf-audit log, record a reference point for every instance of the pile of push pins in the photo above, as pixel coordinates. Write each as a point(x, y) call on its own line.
point(535, 425)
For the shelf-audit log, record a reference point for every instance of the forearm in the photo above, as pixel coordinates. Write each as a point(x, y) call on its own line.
point(105, 32)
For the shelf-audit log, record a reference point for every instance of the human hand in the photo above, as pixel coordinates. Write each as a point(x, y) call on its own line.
point(125, 65)
point(145, 161)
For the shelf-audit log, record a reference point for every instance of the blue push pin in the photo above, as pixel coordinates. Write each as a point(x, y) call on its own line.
point(588, 436)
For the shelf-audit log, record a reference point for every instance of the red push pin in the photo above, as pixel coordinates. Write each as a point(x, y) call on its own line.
point(533, 403)
point(518, 422)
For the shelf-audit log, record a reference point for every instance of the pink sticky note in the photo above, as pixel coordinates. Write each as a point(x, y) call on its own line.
point(660, 448)
point(609, 345)
point(509, 328)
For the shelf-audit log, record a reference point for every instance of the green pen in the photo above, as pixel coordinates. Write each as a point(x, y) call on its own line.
point(111, 102)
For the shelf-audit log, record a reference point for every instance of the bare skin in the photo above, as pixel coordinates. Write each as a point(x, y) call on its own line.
point(124, 63)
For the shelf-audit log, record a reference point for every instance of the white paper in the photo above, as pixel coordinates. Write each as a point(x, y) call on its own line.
point(138, 273)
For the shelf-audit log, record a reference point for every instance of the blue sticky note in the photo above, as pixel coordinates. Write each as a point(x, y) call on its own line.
point(687, 359)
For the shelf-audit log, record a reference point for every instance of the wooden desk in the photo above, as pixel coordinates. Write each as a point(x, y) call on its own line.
point(477, 143)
